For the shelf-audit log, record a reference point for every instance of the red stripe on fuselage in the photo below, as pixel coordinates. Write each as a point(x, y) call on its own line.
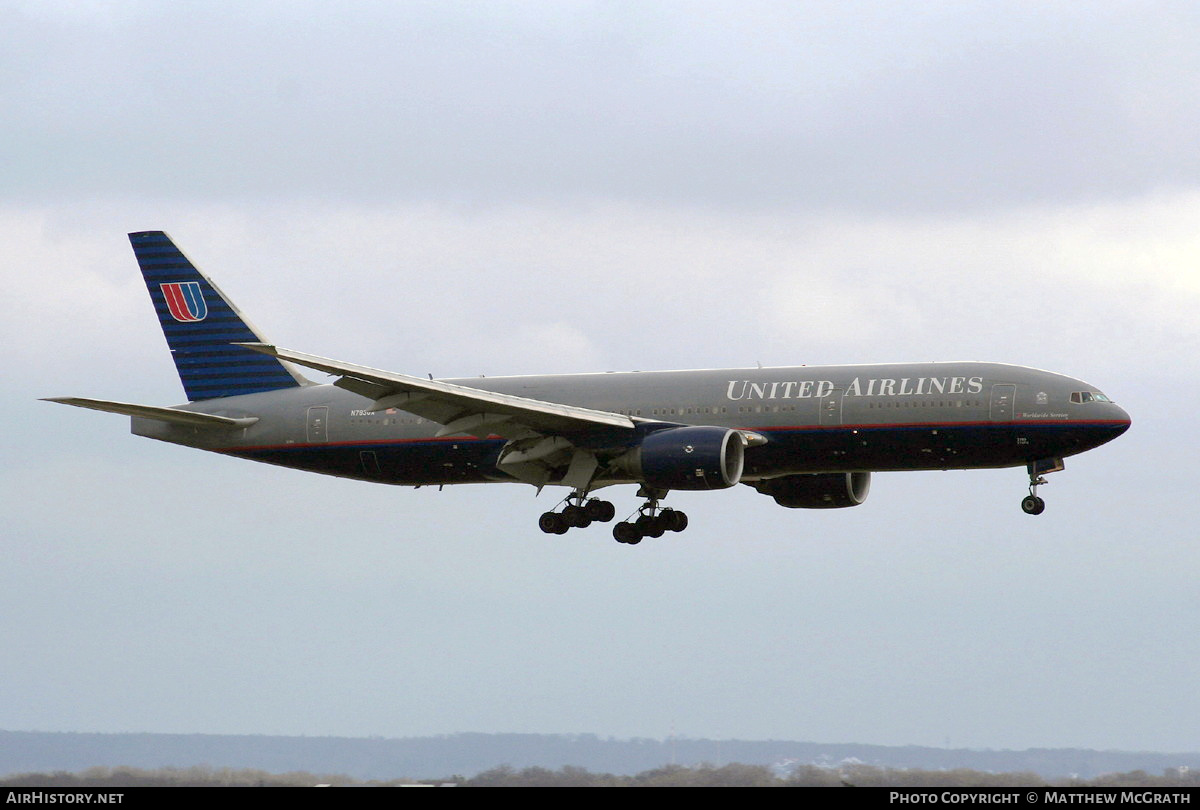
point(932, 425)
point(770, 429)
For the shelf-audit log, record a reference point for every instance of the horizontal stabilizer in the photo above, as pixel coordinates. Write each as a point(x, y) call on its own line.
point(172, 415)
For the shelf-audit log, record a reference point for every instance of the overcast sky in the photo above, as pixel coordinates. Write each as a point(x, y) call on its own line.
point(502, 188)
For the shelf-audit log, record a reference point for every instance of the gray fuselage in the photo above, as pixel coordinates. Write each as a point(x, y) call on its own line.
point(909, 416)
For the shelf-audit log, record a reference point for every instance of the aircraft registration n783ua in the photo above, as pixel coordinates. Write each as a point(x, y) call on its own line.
point(807, 436)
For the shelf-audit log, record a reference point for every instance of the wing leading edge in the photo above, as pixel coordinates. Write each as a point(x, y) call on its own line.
point(458, 408)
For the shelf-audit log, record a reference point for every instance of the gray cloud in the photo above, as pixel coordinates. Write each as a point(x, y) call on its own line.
point(802, 106)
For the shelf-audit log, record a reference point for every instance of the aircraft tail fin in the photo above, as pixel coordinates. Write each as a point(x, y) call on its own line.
point(202, 325)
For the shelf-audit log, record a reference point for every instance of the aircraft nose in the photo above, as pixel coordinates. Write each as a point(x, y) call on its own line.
point(1106, 426)
point(1122, 420)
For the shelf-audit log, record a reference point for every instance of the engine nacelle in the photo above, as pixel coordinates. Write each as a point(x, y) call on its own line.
point(817, 491)
point(688, 458)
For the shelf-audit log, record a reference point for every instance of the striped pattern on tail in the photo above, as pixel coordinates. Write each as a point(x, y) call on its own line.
point(201, 324)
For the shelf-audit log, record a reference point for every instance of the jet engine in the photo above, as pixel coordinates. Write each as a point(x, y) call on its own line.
point(817, 491)
point(687, 458)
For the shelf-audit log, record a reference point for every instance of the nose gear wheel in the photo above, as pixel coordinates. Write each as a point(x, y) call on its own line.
point(1031, 504)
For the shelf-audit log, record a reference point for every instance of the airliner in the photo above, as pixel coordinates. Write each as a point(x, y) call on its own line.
point(808, 437)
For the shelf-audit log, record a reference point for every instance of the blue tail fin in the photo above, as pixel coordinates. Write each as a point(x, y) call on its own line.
point(201, 325)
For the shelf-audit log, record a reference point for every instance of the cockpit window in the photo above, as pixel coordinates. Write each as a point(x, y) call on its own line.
point(1080, 397)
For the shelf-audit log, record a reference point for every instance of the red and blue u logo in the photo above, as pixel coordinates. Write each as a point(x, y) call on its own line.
point(185, 301)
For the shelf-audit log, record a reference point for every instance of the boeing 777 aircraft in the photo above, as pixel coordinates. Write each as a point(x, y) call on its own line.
point(807, 436)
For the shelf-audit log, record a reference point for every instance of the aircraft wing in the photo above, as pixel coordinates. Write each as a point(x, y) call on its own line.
point(458, 408)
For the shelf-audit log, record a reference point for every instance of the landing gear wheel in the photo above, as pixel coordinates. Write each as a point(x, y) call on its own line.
point(552, 523)
point(652, 520)
point(1033, 505)
point(627, 533)
point(576, 517)
point(673, 520)
point(600, 511)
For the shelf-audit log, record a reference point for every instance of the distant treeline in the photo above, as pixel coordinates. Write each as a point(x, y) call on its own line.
point(732, 775)
point(471, 754)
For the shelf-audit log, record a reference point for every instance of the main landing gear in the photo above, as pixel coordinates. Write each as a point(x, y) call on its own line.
point(652, 521)
point(579, 513)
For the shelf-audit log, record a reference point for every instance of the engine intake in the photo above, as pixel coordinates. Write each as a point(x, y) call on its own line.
point(817, 491)
point(688, 458)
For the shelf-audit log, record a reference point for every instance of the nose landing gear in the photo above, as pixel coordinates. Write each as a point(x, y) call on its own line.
point(1031, 504)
